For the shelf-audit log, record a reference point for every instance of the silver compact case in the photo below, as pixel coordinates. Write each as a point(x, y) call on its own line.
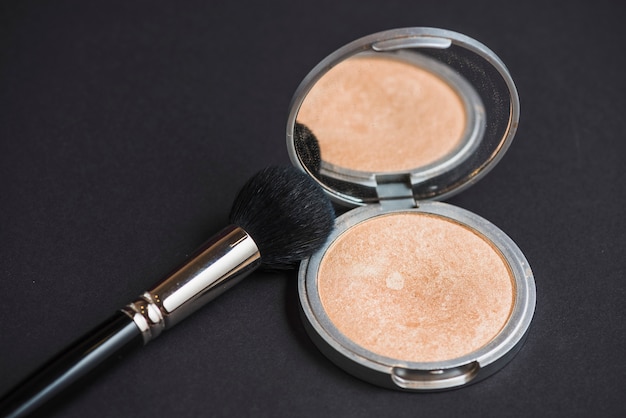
point(408, 292)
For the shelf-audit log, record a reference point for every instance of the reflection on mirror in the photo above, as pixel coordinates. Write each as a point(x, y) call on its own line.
point(431, 118)
point(382, 114)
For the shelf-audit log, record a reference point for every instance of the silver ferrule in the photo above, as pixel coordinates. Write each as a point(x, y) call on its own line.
point(218, 265)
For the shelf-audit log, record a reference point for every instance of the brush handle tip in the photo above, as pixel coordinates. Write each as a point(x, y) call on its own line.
point(113, 336)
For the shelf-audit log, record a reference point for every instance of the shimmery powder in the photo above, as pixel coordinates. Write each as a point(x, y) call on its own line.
point(381, 115)
point(415, 287)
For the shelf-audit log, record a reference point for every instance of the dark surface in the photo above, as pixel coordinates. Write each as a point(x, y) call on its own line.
point(126, 129)
point(99, 349)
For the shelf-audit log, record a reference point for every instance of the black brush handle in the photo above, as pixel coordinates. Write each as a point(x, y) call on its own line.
point(219, 264)
point(118, 334)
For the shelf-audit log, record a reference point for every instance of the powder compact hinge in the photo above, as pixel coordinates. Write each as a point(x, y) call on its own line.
point(395, 191)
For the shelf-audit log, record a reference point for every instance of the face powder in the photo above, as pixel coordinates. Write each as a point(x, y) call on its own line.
point(408, 292)
point(383, 115)
point(415, 287)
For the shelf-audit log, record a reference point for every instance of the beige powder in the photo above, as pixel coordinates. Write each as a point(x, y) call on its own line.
point(415, 287)
point(381, 115)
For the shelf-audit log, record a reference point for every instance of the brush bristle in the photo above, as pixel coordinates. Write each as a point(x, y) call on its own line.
point(307, 147)
point(286, 213)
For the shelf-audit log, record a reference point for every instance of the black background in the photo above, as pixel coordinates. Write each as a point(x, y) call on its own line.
point(126, 128)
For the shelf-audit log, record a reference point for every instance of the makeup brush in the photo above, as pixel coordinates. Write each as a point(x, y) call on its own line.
point(279, 217)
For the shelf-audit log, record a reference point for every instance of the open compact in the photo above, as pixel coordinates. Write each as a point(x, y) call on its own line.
point(408, 292)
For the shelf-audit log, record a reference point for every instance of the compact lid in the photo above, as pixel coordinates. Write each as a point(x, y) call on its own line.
point(414, 112)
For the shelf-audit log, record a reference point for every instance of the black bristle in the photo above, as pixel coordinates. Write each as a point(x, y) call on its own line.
point(286, 213)
point(307, 148)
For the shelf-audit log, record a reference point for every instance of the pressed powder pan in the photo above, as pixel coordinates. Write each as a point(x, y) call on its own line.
point(408, 292)
point(415, 286)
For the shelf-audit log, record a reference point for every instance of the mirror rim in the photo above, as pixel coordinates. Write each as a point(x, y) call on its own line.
point(393, 40)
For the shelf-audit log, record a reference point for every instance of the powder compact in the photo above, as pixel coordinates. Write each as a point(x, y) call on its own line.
point(408, 292)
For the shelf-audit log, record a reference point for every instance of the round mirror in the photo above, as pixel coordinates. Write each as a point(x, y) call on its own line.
point(427, 108)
